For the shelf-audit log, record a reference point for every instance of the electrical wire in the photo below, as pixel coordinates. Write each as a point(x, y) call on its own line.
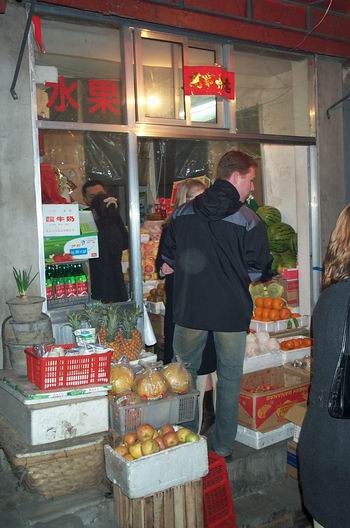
point(313, 29)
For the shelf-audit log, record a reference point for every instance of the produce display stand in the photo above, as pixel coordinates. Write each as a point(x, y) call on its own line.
point(179, 506)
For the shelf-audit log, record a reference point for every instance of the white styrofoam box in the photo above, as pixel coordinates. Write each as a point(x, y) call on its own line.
point(159, 471)
point(155, 307)
point(296, 433)
point(43, 423)
point(254, 363)
point(277, 326)
point(258, 440)
point(292, 355)
point(30, 394)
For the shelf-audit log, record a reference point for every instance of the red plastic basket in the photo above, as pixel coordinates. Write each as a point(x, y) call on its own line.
point(217, 498)
point(68, 371)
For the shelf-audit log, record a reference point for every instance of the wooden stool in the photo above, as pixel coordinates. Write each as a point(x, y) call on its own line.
point(177, 507)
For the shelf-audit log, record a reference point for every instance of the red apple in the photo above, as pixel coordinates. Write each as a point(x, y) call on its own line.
point(130, 439)
point(166, 429)
point(160, 442)
point(170, 439)
point(144, 432)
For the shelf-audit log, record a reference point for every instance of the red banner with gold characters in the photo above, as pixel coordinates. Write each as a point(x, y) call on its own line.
point(209, 80)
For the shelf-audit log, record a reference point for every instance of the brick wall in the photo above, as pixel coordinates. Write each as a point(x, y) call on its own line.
point(285, 23)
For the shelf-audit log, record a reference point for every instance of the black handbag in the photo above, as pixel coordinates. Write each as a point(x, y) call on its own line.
point(339, 396)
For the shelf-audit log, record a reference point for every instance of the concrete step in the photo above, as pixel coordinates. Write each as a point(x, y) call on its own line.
point(276, 506)
point(251, 470)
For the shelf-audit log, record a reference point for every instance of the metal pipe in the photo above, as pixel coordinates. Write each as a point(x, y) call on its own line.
point(134, 224)
point(315, 226)
point(21, 51)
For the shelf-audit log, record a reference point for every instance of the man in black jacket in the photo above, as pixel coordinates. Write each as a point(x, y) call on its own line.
point(107, 280)
point(217, 246)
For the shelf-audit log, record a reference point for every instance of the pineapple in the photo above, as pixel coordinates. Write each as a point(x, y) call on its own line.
point(129, 339)
point(93, 313)
point(74, 320)
point(110, 326)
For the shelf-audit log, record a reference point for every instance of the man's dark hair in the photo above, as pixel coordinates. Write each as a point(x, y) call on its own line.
point(91, 183)
point(233, 161)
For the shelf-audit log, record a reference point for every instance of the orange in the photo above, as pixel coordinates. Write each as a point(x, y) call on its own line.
point(259, 302)
point(274, 314)
point(277, 303)
point(285, 313)
point(267, 302)
point(258, 313)
point(266, 315)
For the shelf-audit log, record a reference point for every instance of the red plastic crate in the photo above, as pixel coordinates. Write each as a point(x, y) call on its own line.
point(68, 371)
point(217, 498)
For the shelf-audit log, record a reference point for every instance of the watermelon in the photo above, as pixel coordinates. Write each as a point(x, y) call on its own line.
point(286, 261)
point(293, 244)
point(269, 215)
point(279, 236)
point(275, 262)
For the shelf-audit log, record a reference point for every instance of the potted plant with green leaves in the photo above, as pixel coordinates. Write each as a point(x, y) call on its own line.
point(25, 308)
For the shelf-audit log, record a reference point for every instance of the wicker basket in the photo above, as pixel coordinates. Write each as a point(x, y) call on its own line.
point(57, 469)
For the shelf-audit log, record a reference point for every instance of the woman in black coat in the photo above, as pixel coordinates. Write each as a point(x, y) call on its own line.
point(324, 446)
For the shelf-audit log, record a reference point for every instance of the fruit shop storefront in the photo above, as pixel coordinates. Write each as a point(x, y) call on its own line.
point(142, 108)
point(122, 105)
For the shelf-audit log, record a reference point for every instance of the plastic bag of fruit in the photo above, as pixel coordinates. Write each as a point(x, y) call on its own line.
point(151, 383)
point(122, 376)
point(178, 377)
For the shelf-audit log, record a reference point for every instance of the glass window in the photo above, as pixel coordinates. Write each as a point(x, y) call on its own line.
point(79, 77)
point(203, 108)
point(162, 79)
point(67, 160)
point(274, 92)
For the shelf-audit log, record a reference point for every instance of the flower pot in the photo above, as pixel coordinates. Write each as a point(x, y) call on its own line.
point(26, 309)
point(35, 333)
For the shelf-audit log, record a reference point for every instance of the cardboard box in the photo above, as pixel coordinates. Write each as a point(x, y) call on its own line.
point(265, 410)
point(291, 290)
point(159, 471)
point(296, 415)
point(292, 460)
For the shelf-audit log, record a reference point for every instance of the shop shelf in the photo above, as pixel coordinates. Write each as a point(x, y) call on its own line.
point(68, 371)
point(67, 302)
point(173, 409)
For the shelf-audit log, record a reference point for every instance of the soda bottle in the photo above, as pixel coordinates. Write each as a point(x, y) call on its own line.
point(58, 282)
point(70, 285)
point(50, 294)
point(81, 281)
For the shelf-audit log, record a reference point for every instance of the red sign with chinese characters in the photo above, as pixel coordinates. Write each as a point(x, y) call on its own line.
point(209, 80)
point(103, 95)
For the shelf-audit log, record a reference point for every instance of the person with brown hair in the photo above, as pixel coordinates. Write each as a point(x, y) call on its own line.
point(323, 447)
point(217, 245)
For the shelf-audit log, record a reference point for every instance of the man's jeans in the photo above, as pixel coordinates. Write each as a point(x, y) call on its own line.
point(188, 344)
